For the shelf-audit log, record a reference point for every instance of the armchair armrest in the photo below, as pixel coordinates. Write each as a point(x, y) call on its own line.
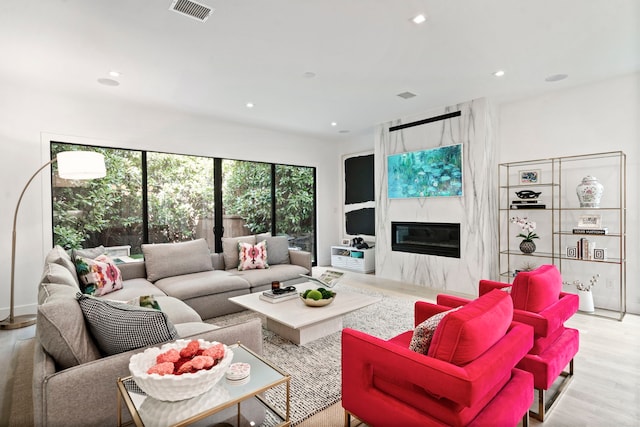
point(552, 317)
point(301, 258)
point(451, 301)
point(487, 286)
point(423, 310)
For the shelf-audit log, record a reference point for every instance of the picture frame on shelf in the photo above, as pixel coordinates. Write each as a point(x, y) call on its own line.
point(346, 242)
point(590, 221)
point(529, 176)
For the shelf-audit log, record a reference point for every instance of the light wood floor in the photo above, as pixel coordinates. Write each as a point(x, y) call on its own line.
point(606, 386)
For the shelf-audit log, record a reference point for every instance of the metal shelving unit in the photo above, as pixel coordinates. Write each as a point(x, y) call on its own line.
point(556, 180)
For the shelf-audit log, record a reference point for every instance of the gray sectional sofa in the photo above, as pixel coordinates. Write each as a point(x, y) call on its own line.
point(74, 378)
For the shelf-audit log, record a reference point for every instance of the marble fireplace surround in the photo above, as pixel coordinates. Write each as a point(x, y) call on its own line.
point(475, 210)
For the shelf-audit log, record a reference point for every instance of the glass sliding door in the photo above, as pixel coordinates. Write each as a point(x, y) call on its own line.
point(295, 205)
point(180, 198)
point(246, 197)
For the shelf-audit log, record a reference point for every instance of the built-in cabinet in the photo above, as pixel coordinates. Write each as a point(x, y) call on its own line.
point(350, 258)
point(585, 240)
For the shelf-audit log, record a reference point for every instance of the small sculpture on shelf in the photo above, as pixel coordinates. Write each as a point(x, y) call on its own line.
point(527, 245)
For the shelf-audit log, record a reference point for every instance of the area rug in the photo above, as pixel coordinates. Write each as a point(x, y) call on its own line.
point(315, 367)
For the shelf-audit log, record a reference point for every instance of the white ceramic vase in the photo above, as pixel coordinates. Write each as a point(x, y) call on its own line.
point(586, 301)
point(589, 192)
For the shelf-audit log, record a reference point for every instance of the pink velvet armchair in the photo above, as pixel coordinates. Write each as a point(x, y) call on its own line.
point(467, 378)
point(539, 302)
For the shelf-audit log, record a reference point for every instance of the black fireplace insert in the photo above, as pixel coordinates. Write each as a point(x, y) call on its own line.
point(430, 238)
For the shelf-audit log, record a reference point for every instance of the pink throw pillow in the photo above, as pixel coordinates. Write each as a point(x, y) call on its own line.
point(252, 256)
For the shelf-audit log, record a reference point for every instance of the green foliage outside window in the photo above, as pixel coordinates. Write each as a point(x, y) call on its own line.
point(108, 211)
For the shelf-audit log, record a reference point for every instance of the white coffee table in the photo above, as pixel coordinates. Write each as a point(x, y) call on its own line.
point(299, 323)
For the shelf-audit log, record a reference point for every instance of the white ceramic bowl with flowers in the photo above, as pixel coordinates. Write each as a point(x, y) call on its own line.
point(171, 386)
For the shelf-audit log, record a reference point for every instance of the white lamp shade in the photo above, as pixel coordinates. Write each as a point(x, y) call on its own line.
point(81, 165)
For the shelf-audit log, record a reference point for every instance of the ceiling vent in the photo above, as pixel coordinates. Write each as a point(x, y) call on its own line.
point(191, 9)
point(406, 95)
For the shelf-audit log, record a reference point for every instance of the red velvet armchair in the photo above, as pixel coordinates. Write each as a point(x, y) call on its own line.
point(467, 378)
point(538, 301)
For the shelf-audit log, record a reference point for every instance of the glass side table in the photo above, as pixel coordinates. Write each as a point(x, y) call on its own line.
point(147, 411)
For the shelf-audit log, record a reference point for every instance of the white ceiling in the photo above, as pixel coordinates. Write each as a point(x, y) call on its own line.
point(363, 53)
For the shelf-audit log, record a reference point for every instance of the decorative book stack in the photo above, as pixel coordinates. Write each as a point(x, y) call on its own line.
point(527, 204)
point(269, 296)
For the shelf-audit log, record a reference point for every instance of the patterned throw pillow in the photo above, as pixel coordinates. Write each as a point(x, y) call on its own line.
point(98, 276)
point(252, 256)
point(118, 327)
point(423, 334)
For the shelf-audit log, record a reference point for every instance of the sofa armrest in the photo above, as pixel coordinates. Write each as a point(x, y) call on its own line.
point(301, 258)
point(65, 396)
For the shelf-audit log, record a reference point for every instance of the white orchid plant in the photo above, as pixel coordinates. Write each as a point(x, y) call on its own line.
point(582, 286)
point(526, 226)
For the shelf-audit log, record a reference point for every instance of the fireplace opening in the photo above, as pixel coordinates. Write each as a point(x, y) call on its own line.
point(430, 238)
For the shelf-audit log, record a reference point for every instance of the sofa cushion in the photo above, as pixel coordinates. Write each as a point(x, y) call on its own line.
point(59, 256)
point(197, 285)
point(252, 257)
point(173, 259)
point(194, 328)
point(46, 290)
point(537, 289)
point(62, 332)
point(98, 276)
point(280, 272)
point(230, 250)
point(55, 273)
point(133, 288)
point(88, 252)
point(423, 333)
point(118, 327)
point(466, 333)
point(277, 249)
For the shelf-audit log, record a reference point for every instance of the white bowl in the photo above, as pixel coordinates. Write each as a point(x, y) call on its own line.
point(176, 387)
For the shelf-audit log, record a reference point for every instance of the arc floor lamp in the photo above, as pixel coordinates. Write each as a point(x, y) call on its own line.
point(71, 165)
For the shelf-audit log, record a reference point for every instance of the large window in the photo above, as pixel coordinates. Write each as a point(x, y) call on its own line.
point(180, 197)
point(150, 197)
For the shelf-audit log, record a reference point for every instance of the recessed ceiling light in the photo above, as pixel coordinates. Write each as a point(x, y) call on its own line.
point(309, 75)
point(115, 73)
point(109, 82)
point(250, 105)
point(419, 19)
point(344, 131)
point(556, 77)
point(334, 124)
point(498, 73)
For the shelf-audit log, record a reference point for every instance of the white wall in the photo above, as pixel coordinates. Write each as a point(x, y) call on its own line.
point(587, 119)
point(30, 116)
